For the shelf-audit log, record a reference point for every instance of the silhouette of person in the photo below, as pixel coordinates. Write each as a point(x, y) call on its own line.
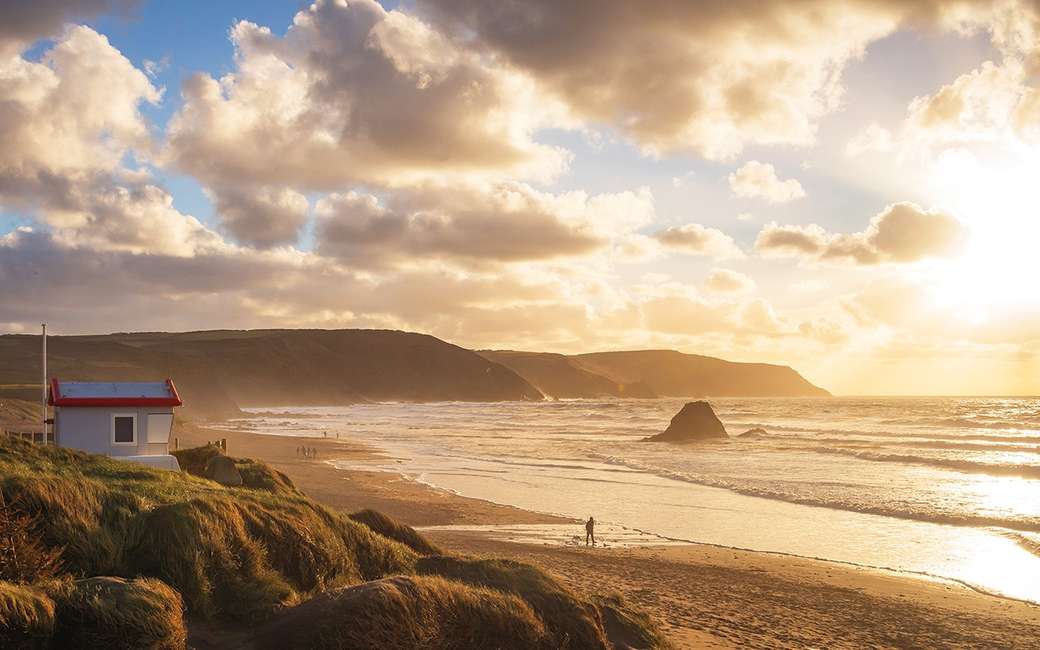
point(590, 531)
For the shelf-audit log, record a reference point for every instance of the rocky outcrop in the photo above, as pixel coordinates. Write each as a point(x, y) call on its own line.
point(696, 421)
point(222, 470)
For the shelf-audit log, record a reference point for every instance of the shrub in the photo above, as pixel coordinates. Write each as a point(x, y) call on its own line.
point(408, 612)
point(387, 527)
point(23, 557)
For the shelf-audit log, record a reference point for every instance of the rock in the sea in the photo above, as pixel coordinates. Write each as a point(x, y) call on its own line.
point(757, 432)
point(696, 421)
point(222, 470)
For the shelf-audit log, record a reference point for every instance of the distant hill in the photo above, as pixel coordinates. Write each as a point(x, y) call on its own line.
point(673, 374)
point(651, 373)
point(558, 375)
point(219, 371)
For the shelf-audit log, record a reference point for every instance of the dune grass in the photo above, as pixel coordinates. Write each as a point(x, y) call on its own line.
point(387, 527)
point(115, 613)
point(263, 551)
point(255, 474)
point(234, 552)
point(409, 612)
point(630, 626)
point(26, 616)
point(573, 622)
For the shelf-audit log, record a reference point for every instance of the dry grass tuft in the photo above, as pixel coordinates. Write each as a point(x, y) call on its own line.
point(572, 622)
point(409, 612)
point(115, 613)
point(627, 626)
point(26, 616)
point(388, 527)
point(255, 474)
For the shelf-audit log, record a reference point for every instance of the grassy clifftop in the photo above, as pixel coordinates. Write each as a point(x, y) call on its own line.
point(262, 559)
point(219, 371)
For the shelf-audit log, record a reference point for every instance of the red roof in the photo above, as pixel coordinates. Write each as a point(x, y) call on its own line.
point(109, 393)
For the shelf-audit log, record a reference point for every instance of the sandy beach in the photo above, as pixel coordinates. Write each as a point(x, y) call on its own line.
point(703, 596)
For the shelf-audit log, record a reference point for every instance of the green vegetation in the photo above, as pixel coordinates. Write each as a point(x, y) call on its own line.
point(229, 551)
point(263, 552)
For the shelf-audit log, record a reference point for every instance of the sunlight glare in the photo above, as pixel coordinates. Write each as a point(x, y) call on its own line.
point(997, 201)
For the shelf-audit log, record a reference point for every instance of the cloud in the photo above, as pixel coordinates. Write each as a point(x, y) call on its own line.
point(901, 233)
point(503, 222)
point(70, 116)
point(690, 76)
point(757, 180)
point(355, 94)
point(875, 138)
point(727, 281)
point(69, 124)
point(978, 106)
point(671, 309)
point(261, 216)
point(22, 23)
point(699, 240)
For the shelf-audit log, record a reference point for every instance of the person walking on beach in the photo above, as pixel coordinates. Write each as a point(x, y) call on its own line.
point(590, 531)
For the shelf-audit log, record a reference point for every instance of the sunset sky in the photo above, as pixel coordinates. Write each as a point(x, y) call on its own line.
point(850, 188)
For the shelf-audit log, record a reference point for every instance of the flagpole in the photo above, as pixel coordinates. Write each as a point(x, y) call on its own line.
point(43, 401)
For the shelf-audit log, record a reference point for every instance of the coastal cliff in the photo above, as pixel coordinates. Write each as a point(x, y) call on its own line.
point(652, 373)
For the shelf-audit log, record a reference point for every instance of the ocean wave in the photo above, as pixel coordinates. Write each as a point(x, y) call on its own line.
point(1027, 542)
point(981, 422)
point(1030, 525)
point(816, 433)
point(956, 464)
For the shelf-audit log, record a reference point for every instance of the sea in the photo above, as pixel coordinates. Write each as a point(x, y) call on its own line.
point(943, 487)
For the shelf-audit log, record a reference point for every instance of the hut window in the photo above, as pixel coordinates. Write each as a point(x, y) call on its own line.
point(159, 425)
point(124, 429)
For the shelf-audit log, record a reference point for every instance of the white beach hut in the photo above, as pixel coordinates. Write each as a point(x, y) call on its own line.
point(124, 420)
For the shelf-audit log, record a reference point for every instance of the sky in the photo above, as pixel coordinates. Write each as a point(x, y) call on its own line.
point(847, 188)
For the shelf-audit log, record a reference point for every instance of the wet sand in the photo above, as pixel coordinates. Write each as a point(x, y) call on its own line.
point(703, 596)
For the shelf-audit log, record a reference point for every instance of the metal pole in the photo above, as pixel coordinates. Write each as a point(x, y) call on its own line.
point(43, 402)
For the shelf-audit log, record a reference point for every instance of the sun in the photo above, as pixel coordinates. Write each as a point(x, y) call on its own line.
point(999, 202)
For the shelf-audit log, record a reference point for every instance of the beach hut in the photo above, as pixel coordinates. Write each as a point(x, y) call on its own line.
point(124, 420)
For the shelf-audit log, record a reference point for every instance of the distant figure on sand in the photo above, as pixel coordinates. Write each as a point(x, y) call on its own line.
point(590, 531)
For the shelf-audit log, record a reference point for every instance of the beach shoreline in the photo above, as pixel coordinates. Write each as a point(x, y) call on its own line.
point(702, 595)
